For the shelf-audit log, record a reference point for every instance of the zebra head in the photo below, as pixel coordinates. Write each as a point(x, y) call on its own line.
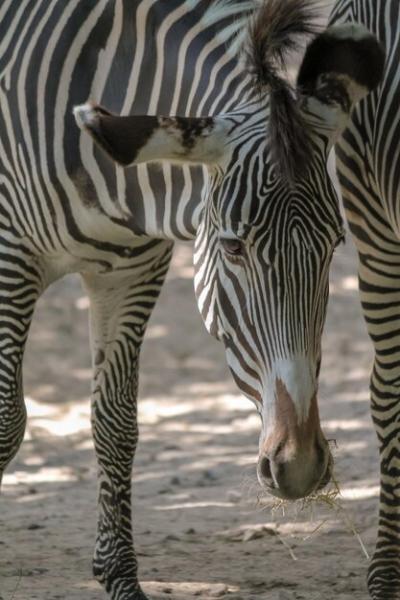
point(270, 220)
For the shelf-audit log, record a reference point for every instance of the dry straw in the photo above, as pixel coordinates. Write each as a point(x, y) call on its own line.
point(330, 498)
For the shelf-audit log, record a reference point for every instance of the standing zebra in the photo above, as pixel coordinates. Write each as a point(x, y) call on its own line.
point(265, 227)
point(369, 171)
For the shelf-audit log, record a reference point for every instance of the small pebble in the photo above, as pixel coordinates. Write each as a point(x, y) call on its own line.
point(171, 538)
point(252, 534)
point(210, 475)
point(175, 481)
point(286, 596)
point(218, 591)
point(256, 583)
point(40, 570)
point(34, 526)
point(234, 496)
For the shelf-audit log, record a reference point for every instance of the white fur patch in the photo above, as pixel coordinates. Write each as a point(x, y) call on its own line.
point(166, 144)
point(84, 114)
point(298, 376)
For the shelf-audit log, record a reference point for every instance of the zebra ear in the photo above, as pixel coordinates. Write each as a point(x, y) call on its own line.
point(340, 67)
point(140, 139)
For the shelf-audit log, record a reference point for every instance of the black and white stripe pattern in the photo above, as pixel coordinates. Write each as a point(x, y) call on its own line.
point(369, 169)
point(266, 222)
point(64, 208)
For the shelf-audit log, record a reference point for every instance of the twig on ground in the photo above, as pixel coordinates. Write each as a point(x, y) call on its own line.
point(17, 586)
point(285, 543)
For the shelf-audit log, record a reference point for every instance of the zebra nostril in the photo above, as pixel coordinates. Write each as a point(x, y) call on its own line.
point(265, 468)
point(278, 450)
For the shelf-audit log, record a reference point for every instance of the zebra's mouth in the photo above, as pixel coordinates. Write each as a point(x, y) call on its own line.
point(295, 479)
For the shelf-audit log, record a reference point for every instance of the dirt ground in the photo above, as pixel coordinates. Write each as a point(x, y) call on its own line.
point(199, 530)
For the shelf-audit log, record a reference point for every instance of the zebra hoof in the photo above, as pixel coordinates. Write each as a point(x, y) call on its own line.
point(385, 593)
point(384, 584)
point(139, 595)
point(125, 592)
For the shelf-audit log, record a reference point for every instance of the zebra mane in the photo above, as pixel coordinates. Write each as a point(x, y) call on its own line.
point(264, 33)
point(277, 29)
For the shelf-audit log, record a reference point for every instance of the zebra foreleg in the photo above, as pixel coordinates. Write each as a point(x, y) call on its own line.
point(380, 296)
point(120, 309)
point(21, 283)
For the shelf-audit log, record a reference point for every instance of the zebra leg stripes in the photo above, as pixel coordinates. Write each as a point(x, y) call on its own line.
point(380, 293)
point(120, 309)
point(379, 285)
point(369, 165)
point(21, 283)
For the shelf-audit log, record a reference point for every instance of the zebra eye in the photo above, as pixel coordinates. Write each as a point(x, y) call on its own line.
point(232, 247)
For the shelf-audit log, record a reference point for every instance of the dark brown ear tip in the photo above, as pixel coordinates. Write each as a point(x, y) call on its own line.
point(348, 49)
point(378, 61)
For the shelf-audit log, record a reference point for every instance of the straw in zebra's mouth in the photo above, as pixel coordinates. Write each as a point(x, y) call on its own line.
point(330, 499)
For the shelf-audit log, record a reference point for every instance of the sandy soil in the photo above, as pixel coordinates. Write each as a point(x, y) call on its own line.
point(199, 531)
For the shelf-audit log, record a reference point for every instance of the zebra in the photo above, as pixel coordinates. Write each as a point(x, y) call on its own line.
point(368, 158)
point(265, 222)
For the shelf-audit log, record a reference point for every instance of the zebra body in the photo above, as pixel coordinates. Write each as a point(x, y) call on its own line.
point(55, 56)
point(368, 158)
point(265, 224)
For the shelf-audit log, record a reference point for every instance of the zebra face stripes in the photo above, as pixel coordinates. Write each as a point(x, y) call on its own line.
point(262, 258)
point(268, 229)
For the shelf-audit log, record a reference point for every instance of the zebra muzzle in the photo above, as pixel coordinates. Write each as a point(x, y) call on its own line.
point(294, 479)
point(295, 459)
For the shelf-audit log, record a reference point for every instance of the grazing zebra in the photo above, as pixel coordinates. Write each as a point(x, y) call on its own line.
point(369, 171)
point(265, 226)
